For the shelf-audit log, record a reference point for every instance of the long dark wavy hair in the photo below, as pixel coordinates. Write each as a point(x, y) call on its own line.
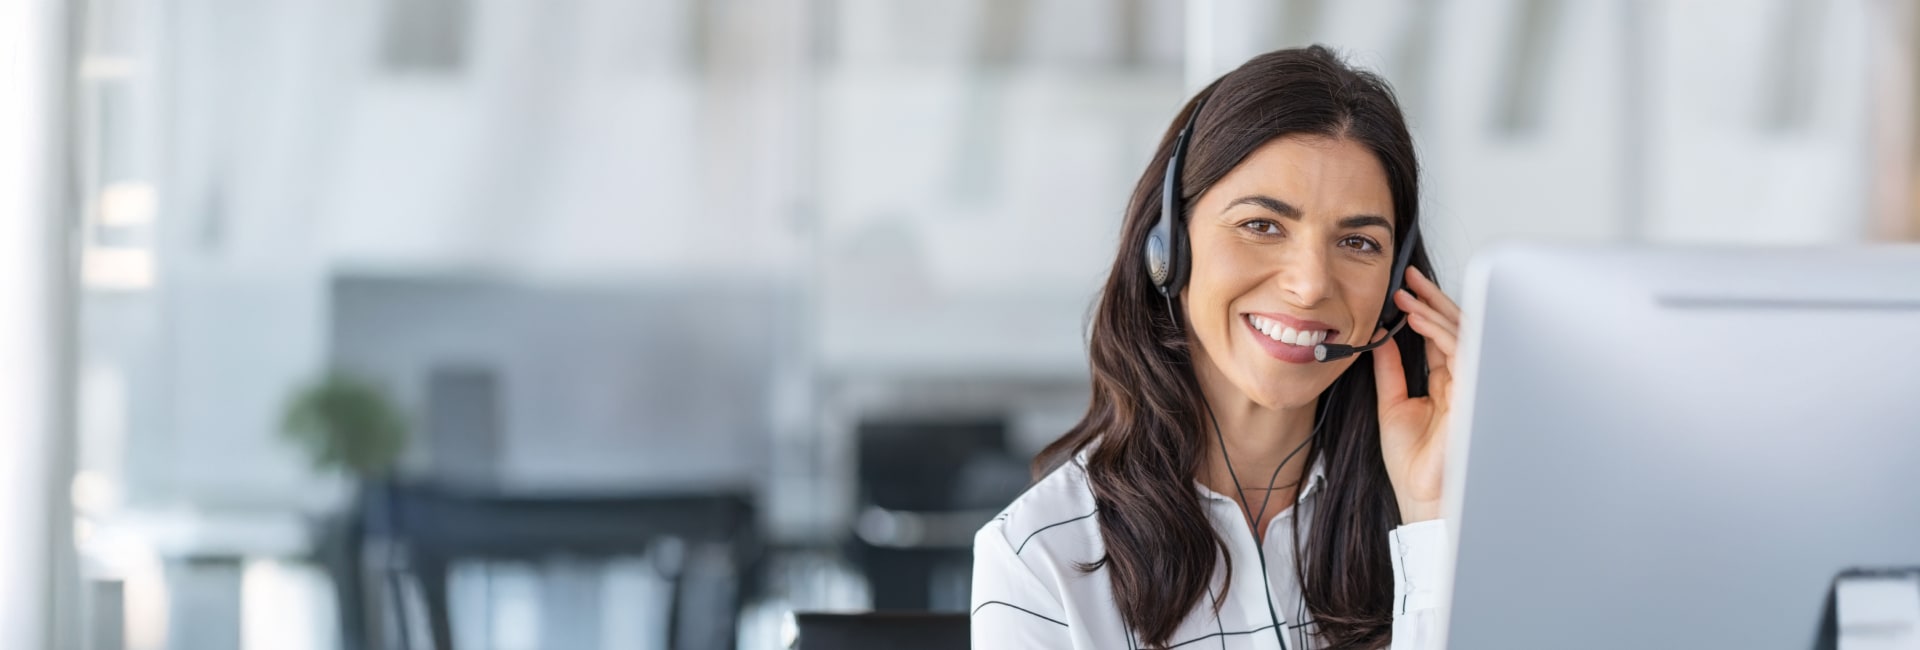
point(1146, 410)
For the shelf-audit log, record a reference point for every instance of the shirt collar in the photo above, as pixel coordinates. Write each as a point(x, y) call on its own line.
point(1316, 477)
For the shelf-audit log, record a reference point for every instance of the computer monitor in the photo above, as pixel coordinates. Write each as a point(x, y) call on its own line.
point(1679, 447)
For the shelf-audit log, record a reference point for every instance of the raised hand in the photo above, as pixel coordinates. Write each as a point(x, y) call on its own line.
point(1413, 431)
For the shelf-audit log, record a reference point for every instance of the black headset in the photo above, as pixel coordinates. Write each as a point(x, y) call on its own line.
point(1169, 257)
point(1166, 250)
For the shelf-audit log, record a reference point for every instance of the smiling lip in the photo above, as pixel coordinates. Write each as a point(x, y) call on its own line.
point(1283, 351)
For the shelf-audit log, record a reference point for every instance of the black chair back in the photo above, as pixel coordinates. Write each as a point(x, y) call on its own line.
point(884, 631)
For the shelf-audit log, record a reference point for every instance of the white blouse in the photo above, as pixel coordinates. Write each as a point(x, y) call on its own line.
point(1028, 591)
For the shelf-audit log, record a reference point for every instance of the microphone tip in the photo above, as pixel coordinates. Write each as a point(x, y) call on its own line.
point(1320, 352)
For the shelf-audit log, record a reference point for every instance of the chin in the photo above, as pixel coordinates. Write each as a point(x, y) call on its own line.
point(1290, 389)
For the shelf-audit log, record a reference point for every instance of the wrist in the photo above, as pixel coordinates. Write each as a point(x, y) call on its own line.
point(1418, 511)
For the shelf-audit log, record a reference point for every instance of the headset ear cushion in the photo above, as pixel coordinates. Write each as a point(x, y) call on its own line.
point(1178, 261)
point(1159, 267)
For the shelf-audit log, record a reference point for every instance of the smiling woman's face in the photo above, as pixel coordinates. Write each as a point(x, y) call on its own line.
point(1299, 236)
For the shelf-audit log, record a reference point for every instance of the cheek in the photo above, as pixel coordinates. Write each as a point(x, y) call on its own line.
point(1369, 295)
point(1214, 286)
point(1206, 306)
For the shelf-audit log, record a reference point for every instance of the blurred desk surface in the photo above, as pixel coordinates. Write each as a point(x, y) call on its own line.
point(478, 523)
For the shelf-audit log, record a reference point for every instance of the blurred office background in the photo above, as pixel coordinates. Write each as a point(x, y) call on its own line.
point(642, 323)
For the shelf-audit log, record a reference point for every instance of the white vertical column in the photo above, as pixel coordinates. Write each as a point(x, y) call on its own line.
point(31, 343)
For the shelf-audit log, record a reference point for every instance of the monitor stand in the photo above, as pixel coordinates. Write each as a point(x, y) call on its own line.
point(1872, 609)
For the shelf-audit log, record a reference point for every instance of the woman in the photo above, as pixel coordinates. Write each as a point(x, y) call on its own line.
point(1225, 489)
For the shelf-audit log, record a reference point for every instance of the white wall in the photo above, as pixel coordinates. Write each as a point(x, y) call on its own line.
point(1760, 130)
point(247, 91)
point(1656, 121)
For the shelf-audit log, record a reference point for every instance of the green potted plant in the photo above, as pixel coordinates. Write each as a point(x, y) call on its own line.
point(346, 424)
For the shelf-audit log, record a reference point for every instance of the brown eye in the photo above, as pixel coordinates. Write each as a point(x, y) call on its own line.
point(1263, 226)
point(1361, 244)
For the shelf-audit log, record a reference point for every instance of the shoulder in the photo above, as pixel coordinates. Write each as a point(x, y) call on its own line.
point(1028, 589)
point(1052, 522)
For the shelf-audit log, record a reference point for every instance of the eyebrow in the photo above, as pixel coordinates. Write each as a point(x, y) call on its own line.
point(1287, 210)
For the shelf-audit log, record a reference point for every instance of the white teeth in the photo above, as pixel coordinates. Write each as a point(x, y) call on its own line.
point(1285, 334)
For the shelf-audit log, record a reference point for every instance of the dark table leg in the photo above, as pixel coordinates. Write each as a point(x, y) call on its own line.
point(431, 569)
point(340, 550)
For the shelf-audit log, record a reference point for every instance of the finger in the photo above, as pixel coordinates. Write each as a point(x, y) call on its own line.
point(1440, 387)
point(1444, 343)
point(1389, 380)
point(1415, 307)
point(1431, 292)
point(1439, 370)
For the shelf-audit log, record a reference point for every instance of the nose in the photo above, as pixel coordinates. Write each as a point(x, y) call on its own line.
point(1305, 276)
